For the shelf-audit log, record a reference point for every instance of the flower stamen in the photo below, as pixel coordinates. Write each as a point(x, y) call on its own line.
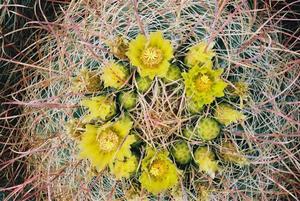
point(152, 56)
point(157, 168)
point(203, 83)
point(108, 140)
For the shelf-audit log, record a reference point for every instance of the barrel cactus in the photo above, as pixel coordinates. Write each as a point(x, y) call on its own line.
point(166, 71)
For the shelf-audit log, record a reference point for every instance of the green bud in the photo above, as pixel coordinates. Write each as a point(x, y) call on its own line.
point(143, 84)
point(188, 133)
point(173, 74)
point(181, 152)
point(128, 99)
point(208, 129)
point(205, 159)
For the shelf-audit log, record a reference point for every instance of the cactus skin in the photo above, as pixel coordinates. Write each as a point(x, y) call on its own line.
point(262, 62)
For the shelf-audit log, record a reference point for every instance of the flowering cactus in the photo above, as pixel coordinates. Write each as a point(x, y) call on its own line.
point(208, 86)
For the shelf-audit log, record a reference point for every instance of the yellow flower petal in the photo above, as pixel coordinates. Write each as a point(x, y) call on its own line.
point(227, 115)
point(123, 126)
point(199, 54)
point(124, 168)
point(158, 172)
point(101, 107)
point(124, 150)
point(89, 149)
point(157, 40)
point(102, 145)
point(203, 85)
point(205, 158)
point(114, 75)
point(150, 55)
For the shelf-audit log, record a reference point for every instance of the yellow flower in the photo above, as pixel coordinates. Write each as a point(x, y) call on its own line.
point(158, 172)
point(199, 54)
point(208, 129)
point(114, 75)
point(102, 145)
point(241, 89)
point(227, 115)
point(205, 158)
point(203, 85)
point(124, 168)
point(230, 153)
point(100, 107)
point(150, 55)
point(118, 46)
point(86, 81)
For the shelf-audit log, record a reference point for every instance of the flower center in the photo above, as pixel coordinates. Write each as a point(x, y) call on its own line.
point(108, 140)
point(158, 168)
point(151, 56)
point(203, 83)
